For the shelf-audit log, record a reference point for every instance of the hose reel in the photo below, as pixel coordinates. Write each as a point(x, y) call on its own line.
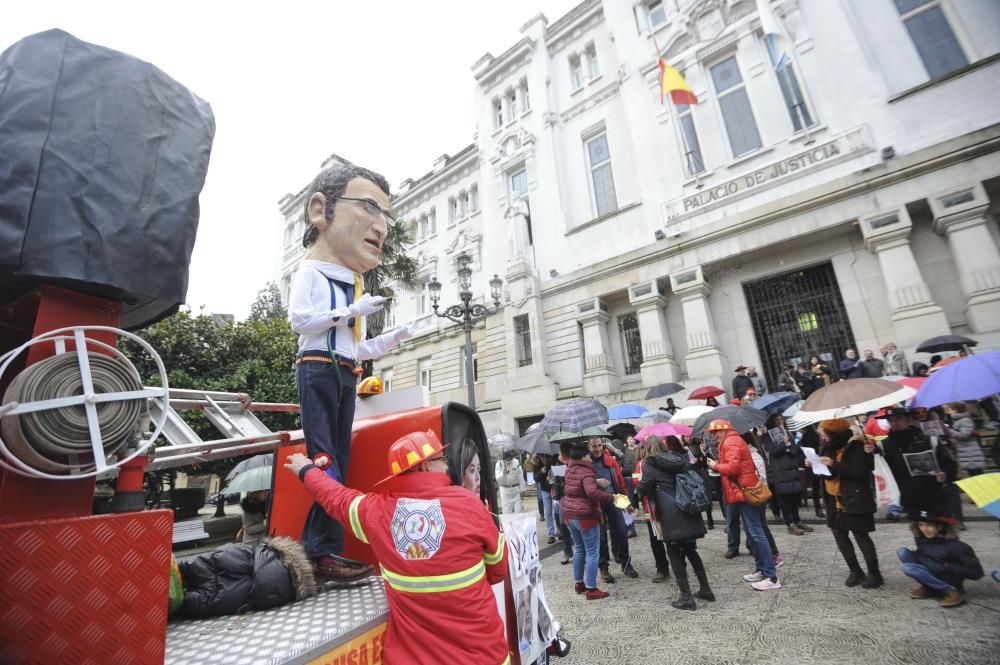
point(80, 412)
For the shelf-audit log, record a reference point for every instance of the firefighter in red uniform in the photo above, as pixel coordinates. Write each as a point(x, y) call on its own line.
point(439, 551)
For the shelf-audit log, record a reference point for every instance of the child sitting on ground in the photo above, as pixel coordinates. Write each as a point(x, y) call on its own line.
point(941, 561)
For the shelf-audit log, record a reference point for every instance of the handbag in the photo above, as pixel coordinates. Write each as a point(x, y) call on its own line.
point(757, 495)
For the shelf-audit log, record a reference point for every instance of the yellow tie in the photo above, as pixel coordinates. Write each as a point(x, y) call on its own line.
point(358, 292)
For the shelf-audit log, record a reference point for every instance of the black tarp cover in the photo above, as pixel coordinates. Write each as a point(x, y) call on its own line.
point(102, 158)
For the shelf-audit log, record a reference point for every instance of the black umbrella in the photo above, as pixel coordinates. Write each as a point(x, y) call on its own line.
point(622, 430)
point(742, 418)
point(535, 442)
point(663, 390)
point(945, 343)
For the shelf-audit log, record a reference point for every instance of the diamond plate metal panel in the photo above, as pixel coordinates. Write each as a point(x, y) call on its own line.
point(85, 590)
point(290, 633)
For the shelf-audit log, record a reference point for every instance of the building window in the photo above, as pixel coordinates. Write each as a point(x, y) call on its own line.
point(693, 162)
point(932, 36)
point(522, 340)
point(474, 198)
point(525, 102)
point(576, 71)
point(390, 315)
point(464, 367)
point(518, 185)
point(432, 217)
point(423, 227)
point(657, 14)
point(628, 325)
point(600, 174)
point(387, 380)
point(463, 205)
point(424, 372)
point(737, 115)
point(794, 101)
point(422, 300)
point(289, 234)
point(592, 69)
point(497, 113)
point(452, 211)
point(511, 105)
point(286, 288)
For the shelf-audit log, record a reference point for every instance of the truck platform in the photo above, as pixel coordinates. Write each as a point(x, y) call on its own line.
point(323, 629)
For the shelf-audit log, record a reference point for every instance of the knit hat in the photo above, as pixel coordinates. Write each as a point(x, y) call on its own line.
point(835, 426)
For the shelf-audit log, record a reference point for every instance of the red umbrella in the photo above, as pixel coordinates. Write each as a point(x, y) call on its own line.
point(705, 392)
point(912, 381)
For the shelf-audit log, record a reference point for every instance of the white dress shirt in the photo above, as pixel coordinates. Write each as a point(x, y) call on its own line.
point(312, 317)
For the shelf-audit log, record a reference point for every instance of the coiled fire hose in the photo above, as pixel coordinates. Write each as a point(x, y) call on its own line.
point(58, 440)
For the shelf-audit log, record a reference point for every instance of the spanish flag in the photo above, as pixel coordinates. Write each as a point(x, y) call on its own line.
point(672, 83)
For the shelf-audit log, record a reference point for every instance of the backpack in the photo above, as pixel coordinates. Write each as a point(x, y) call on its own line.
point(690, 494)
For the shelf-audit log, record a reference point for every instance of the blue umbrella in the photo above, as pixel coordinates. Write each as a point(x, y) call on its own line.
point(969, 379)
point(775, 402)
point(625, 411)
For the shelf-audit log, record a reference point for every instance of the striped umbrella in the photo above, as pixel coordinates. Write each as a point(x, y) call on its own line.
point(574, 415)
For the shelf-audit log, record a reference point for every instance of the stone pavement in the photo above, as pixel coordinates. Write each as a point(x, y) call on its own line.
point(813, 619)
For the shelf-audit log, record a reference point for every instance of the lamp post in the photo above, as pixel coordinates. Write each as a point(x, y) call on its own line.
point(468, 314)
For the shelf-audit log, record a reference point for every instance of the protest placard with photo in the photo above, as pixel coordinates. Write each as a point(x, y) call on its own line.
point(536, 627)
point(922, 463)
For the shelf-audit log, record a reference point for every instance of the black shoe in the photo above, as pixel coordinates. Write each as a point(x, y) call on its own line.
point(732, 554)
point(873, 581)
point(705, 594)
point(855, 578)
point(685, 602)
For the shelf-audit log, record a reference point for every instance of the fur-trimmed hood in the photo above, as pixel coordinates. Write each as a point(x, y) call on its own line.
point(293, 555)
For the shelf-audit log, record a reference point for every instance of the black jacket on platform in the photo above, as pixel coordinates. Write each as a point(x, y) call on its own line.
point(659, 482)
point(857, 494)
point(237, 578)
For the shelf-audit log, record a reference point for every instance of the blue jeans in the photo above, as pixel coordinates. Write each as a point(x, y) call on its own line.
point(550, 526)
point(755, 536)
point(327, 413)
point(586, 549)
point(920, 573)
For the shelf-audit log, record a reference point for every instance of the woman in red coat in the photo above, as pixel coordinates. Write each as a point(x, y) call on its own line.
point(581, 508)
point(737, 470)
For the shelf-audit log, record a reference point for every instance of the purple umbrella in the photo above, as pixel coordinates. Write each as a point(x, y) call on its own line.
point(971, 378)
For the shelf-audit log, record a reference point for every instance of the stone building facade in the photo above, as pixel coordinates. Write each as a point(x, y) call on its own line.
point(846, 202)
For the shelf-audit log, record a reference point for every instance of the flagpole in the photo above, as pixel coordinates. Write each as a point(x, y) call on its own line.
point(680, 127)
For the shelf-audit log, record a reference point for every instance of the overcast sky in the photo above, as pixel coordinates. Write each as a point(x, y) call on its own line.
point(386, 84)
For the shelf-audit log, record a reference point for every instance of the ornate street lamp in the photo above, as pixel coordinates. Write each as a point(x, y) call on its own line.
point(467, 314)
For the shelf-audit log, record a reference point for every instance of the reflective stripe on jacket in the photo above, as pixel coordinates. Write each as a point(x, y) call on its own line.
point(440, 551)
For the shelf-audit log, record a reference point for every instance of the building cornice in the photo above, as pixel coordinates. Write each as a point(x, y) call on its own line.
point(489, 72)
point(573, 24)
point(458, 167)
point(928, 160)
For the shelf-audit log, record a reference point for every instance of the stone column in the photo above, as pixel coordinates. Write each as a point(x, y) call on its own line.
point(915, 316)
point(658, 364)
point(704, 359)
point(960, 214)
point(599, 374)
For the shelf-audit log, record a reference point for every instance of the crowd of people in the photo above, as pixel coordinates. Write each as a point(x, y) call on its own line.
point(748, 472)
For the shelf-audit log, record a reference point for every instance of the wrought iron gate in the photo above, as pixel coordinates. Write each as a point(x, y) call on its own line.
point(798, 314)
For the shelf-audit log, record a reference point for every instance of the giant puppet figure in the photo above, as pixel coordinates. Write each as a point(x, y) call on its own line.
point(347, 218)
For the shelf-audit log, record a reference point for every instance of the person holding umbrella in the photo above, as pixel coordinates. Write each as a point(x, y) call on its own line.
point(582, 500)
point(850, 500)
point(610, 479)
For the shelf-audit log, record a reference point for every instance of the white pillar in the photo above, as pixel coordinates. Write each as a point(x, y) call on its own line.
point(915, 316)
point(960, 213)
point(658, 364)
point(704, 359)
point(599, 374)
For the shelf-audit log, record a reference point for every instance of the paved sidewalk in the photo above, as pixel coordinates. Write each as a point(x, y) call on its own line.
point(814, 619)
